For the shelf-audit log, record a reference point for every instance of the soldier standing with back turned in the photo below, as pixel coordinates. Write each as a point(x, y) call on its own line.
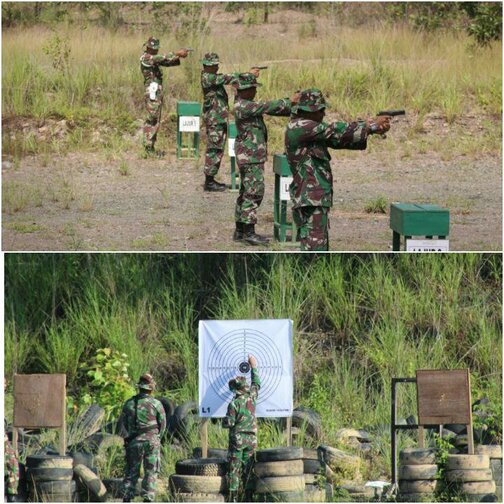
point(242, 424)
point(150, 63)
point(144, 419)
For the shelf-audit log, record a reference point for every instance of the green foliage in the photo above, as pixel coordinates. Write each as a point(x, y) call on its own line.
point(378, 205)
point(489, 421)
point(486, 21)
point(58, 49)
point(110, 384)
point(446, 491)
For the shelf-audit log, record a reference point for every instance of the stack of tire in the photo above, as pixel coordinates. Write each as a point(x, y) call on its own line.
point(417, 475)
point(50, 478)
point(494, 452)
point(471, 476)
point(199, 480)
point(279, 475)
point(313, 468)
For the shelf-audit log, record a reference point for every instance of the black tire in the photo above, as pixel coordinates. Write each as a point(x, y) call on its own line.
point(482, 498)
point(311, 454)
point(202, 467)
point(80, 457)
point(309, 420)
point(280, 468)
point(46, 474)
point(168, 405)
point(280, 497)
point(417, 456)
point(184, 417)
point(212, 453)
point(312, 466)
point(91, 484)
point(181, 483)
point(57, 487)
point(100, 444)
point(199, 497)
point(277, 454)
point(86, 424)
point(280, 484)
point(49, 461)
point(114, 487)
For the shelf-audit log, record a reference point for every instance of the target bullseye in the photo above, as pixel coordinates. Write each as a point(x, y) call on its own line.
point(244, 367)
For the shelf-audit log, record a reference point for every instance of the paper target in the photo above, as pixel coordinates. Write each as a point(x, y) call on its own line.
point(224, 347)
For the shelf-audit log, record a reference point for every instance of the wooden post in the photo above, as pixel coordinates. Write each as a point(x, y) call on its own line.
point(289, 431)
point(470, 433)
point(421, 436)
point(62, 436)
point(15, 438)
point(204, 437)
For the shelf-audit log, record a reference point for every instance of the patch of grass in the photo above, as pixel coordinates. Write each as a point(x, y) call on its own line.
point(17, 197)
point(24, 227)
point(377, 205)
point(157, 241)
point(124, 169)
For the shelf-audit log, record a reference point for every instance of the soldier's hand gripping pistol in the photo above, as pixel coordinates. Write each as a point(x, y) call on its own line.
point(388, 114)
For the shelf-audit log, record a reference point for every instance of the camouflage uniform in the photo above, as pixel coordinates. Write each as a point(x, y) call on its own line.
point(242, 425)
point(11, 469)
point(251, 147)
point(215, 113)
point(144, 419)
point(306, 147)
point(150, 67)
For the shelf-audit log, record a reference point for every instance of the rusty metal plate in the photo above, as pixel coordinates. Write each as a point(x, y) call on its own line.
point(39, 400)
point(444, 396)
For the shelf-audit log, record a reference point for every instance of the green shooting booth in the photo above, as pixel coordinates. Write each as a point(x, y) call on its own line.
point(284, 230)
point(188, 129)
point(424, 228)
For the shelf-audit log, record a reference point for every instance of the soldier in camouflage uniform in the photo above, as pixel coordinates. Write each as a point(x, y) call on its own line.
point(241, 422)
point(307, 139)
point(215, 115)
point(150, 65)
point(144, 419)
point(251, 153)
point(11, 468)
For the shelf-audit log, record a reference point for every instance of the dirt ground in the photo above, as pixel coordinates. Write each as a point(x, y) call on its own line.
point(84, 201)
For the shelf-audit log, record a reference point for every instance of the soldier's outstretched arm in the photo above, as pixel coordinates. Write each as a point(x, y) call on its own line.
point(280, 107)
point(254, 374)
point(219, 79)
point(168, 59)
point(337, 135)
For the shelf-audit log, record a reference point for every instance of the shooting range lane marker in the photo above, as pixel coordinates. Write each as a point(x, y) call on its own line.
point(228, 356)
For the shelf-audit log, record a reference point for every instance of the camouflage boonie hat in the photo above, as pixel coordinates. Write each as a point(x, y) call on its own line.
point(238, 383)
point(246, 81)
point(152, 43)
point(146, 382)
point(310, 100)
point(210, 59)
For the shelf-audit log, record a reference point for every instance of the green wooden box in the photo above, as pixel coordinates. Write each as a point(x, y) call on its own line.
point(281, 166)
point(410, 219)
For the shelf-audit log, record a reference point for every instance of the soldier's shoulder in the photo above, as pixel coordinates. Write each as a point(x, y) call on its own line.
point(129, 403)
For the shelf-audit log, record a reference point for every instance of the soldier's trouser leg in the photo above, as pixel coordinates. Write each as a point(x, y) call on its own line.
point(134, 454)
point(11, 470)
point(312, 227)
point(152, 459)
point(153, 119)
point(216, 141)
point(240, 466)
point(251, 193)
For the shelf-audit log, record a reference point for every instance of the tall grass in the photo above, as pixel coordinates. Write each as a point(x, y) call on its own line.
point(361, 70)
point(359, 320)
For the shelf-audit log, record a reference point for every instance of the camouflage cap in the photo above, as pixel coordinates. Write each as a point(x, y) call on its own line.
point(246, 81)
point(310, 100)
point(152, 43)
point(237, 384)
point(146, 382)
point(210, 59)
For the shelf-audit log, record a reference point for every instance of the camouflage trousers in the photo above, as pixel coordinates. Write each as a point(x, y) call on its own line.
point(312, 227)
point(251, 193)
point(216, 142)
point(240, 466)
point(153, 120)
point(11, 469)
point(148, 452)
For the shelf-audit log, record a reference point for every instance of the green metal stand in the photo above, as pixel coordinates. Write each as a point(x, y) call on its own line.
point(235, 175)
point(427, 221)
point(188, 135)
point(283, 231)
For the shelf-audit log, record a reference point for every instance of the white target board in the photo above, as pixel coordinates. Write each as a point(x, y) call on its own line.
point(224, 347)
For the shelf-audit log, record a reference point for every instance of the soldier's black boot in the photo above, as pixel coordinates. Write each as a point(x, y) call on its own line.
point(250, 236)
point(213, 185)
point(13, 498)
point(238, 232)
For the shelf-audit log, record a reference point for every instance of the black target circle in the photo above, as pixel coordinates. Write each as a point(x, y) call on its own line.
point(228, 358)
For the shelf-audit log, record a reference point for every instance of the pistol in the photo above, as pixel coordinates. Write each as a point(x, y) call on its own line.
point(189, 49)
point(257, 67)
point(391, 112)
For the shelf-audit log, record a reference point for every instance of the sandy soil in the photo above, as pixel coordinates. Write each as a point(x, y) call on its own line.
point(82, 201)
